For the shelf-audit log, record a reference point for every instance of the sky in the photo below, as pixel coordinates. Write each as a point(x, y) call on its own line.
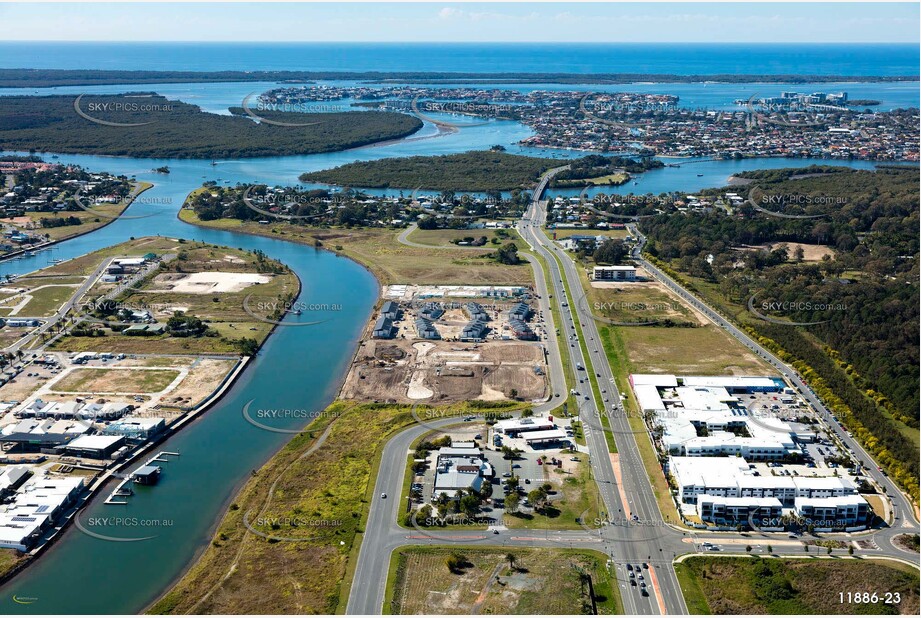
point(652, 22)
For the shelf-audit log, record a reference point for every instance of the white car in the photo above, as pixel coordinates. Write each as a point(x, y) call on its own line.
point(383, 495)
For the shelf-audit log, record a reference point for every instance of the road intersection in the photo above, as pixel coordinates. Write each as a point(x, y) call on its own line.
point(632, 530)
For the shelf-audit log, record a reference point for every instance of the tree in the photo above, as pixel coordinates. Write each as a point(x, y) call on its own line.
point(610, 252)
point(850, 550)
point(428, 223)
point(511, 503)
point(748, 548)
point(770, 549)
point(510, 558)
point(455, 562)
point(469, 505)
point(508, 254)
point(538, 498)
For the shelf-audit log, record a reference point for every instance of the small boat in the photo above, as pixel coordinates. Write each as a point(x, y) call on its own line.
point(699, 175)
point(213, 162)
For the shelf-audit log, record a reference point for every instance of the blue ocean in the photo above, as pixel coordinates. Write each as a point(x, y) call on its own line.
point(681, 59)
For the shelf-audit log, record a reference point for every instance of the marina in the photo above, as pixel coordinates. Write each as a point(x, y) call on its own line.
point(221, 449)
point(147, 474)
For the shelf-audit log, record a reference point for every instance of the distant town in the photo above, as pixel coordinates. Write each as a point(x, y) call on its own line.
point(793, 125)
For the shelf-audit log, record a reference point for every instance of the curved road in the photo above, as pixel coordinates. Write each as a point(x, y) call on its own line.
point(629, 494)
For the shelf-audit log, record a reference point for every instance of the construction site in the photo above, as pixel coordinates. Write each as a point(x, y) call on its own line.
point(424, 348)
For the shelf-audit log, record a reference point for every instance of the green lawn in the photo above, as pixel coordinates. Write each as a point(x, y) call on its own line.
point(47, 295)
point(91, 380)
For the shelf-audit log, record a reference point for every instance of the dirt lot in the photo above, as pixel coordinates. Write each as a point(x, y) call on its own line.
point(213, 282)
point(538, 581)
point(404, 371)
point(811, 253)
point(201, 381)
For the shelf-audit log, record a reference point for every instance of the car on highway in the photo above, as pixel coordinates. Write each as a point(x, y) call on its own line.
point(384, 495)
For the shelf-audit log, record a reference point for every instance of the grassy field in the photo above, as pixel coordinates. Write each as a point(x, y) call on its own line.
point(794, 586)
point(86, 264)
point(9, 558)
point(616, 178)
point(443, 237)
point(389, 260)
point(536, 582)
point(93, 380)
point(325, 481)
point(46, 296)
point(635, 302)
point(707, 350)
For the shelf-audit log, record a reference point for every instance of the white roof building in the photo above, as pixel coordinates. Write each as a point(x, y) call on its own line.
point(733, 477)
point(35, 506)
point(459, 469)
point(520, 425)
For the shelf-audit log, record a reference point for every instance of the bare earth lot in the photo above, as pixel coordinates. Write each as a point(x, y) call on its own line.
point(404, 371)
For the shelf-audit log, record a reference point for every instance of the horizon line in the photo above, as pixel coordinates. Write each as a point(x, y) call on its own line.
point(442, 42)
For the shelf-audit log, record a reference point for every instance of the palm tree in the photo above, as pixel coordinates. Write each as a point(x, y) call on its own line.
point(510, 558)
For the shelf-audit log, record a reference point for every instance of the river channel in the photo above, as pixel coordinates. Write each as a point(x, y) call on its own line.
point(299, 367)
